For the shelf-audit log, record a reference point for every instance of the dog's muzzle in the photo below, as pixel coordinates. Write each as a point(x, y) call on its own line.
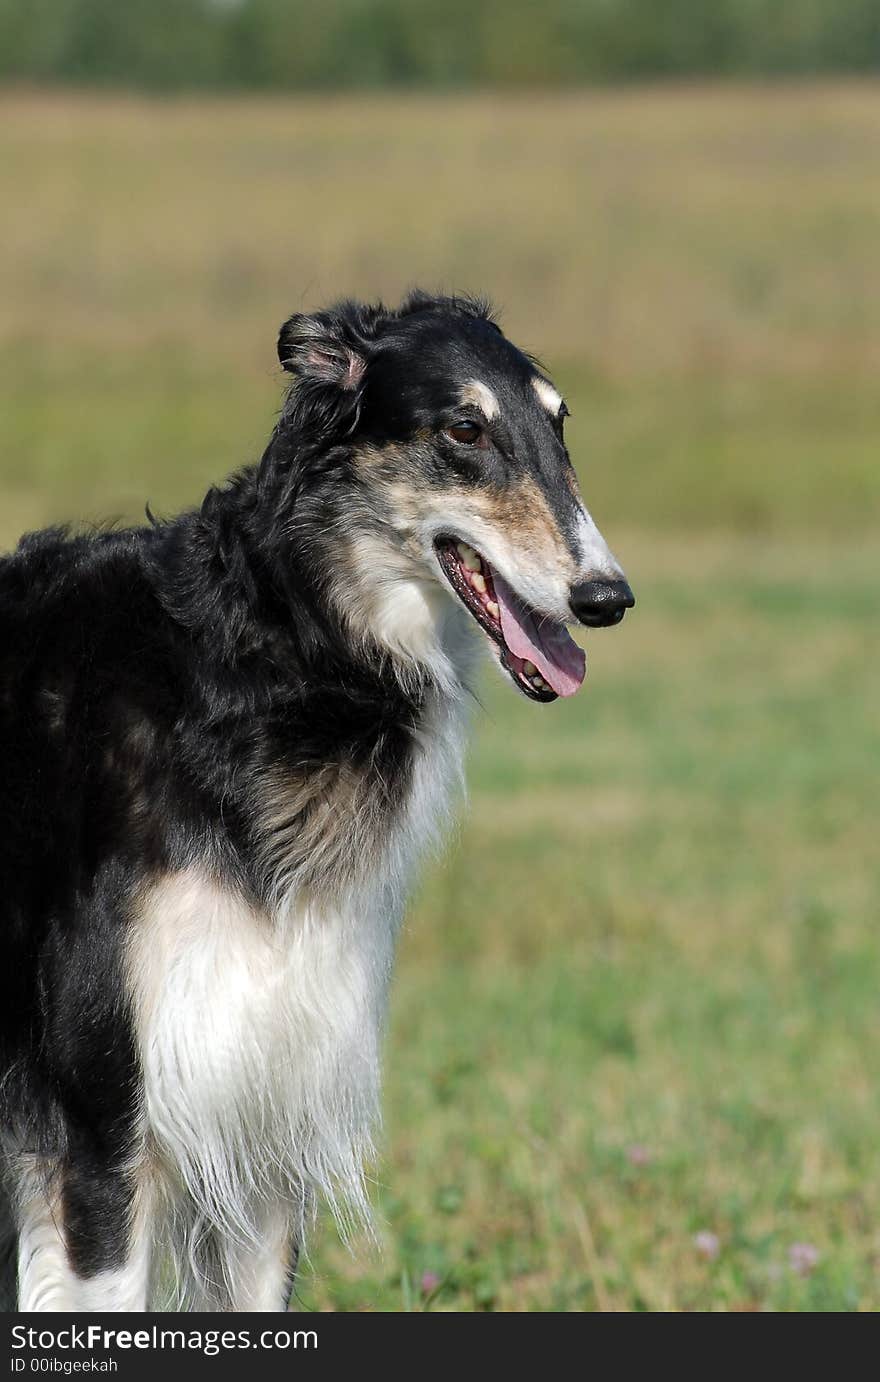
point(599, 604)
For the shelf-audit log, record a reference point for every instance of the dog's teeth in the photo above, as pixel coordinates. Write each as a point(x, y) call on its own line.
point(479, 583)
point(529, 668)
point(492, 608)
point(469, 559)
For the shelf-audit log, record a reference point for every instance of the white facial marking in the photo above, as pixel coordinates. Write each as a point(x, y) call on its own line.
point(551, 400)
point(478, 395)
point(596, 556)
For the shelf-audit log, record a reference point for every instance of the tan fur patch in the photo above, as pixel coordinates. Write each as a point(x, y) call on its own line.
point(386, 583)
point(521, 514)
point(317, 829)
point(476, 394)
point(526, 516)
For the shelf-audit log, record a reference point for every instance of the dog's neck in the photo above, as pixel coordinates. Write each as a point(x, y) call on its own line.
point(308, 581)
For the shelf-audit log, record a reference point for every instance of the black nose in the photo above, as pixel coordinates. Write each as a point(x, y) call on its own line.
point(600, 603)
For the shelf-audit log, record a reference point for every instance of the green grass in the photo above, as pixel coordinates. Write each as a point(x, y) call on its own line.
point(638, 998)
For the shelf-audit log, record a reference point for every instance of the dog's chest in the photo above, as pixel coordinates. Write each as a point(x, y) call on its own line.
point(260, 1031)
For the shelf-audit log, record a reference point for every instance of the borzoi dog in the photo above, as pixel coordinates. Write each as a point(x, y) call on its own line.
point(226, 739)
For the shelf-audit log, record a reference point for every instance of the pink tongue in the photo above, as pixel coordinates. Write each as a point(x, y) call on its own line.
point(549, 645)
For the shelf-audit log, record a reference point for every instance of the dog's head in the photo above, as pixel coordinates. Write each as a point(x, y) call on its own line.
point(448, 488)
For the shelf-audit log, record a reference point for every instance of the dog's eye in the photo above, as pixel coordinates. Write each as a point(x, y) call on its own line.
point(466, 433)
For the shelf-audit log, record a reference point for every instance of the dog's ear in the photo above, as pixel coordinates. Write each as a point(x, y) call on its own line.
point(328, 354)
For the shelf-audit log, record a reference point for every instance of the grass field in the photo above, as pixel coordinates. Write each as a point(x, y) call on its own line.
point(634, 1054)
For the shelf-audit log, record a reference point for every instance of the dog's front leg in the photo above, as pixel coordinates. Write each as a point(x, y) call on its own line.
point(242, 1269)
point(263, 1275)
point(83, 1244)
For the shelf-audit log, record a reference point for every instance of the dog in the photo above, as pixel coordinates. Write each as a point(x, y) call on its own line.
point(226, 739)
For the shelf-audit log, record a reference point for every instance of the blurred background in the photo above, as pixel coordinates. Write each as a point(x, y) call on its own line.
point(634, 1052)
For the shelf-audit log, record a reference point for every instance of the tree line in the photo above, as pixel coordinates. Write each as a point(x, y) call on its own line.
point(307, 44)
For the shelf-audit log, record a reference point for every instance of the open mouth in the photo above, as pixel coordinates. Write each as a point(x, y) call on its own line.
point(538, 652)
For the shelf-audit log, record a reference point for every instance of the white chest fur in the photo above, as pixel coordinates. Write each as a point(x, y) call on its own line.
point(260, 1034)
